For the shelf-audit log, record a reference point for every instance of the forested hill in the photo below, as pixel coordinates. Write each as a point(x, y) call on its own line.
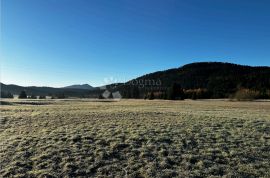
point(220, 79)
point(215, 76)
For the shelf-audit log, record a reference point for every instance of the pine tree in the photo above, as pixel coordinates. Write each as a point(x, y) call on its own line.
point(100, 97)
point(61, 96)
point(23, 94)
point(136, 92)
point(161, 96)
point(127, 92)
point(171, 93)
point(165, 96)
point(9, 95)
point(3, 94)
point(199, 95)
point(42, 97)
point(202, 95)
point(189, 95)
point(194, 96)
point(123, 93)
point(33, 96)
point(110, 96)
point(151, 96)
point(145, 96)
point(175, 92)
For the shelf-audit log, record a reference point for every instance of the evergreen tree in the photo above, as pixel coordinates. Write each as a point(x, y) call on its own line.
point(199, 95)
point(110, 96)
point(136, 92)
point(23, 94)
point(9, 95)
point(33, 96)
point(42, 97)
point(145, 96)
point(202, 95)
point(61, 96)
point(127, 92)
point(151, 96)
point(189, 95)
point(161, 96)
point(123, 93)
point(3, 94)
point(194, 96)
point(165, 96)
point(175, 92)
point(100, 97)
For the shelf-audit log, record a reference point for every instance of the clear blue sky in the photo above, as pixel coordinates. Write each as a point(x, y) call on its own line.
point(63, 42)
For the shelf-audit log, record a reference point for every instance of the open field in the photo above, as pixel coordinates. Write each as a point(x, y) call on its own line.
point(135, 138)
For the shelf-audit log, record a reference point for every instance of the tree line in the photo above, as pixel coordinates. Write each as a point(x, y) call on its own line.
point(177, 93)
point(23, 95)
point(6, 94)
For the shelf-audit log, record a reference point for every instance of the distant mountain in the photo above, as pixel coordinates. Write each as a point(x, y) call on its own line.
point(83, 86)
point(16, 89)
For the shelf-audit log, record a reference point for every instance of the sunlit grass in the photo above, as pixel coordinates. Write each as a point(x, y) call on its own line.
point(135, 138)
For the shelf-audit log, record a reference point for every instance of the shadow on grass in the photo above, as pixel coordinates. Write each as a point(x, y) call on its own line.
point(5, 103)
point(106, 101)
point(32, 103)
point(261, 100)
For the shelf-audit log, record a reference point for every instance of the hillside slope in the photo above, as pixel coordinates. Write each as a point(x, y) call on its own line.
point(214, 75)
point(217, 77)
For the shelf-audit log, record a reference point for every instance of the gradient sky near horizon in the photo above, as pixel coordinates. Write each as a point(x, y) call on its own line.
point(64, 42)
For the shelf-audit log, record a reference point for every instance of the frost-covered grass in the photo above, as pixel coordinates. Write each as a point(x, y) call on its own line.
point(135, 138)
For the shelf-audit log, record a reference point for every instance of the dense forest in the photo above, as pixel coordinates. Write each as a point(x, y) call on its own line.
point(214, 76)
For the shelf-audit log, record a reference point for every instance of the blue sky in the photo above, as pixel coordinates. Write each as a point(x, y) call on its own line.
point(63, 42)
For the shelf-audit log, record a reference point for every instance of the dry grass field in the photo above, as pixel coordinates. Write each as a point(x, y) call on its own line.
point(134, 138)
